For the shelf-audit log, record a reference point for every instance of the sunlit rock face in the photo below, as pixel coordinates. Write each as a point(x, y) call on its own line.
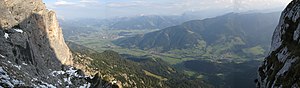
point(32, 17)
point(35, 27)
point(57, 41)
point(281, 66)
point(31, 44)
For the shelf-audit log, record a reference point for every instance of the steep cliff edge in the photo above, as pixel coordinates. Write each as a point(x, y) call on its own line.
point(38, 24)
point(281, 67)
point(32, 49)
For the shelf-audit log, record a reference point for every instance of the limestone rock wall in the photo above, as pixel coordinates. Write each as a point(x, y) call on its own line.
point(37, 23)
point(281, 66)
point(31, 44)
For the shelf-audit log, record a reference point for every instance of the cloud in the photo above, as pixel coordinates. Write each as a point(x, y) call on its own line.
point(101, 8)
point(181, 6)
point(243, 5)
point(76, 3)
point(135, 3)
point(88, 1)
point(259, 4)
point(63, 3)
point(120, 5)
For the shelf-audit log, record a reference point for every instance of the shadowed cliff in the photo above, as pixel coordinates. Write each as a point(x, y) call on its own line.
point(281, 66)
point(32, 49)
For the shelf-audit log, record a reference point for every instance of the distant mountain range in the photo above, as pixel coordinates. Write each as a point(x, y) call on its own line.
point(234, 32)
point(139, 22)
point(146, 22)
point(128, 23)
point(153, 21)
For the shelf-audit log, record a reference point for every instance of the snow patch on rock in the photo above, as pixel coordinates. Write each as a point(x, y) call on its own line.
point(5, 79)
point(88, 85)
point(72, 72)
point(2, 56)
point(18, 66)
point(24, 64)
point(68, 80)
point(55, 73)
point(45, 85)
point(114, 82)
point(6, 36)
point(19, 30)
point(68, 75)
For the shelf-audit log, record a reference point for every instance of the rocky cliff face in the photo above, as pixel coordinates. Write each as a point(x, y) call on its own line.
point(32, 49)
point(281, 67)
point(37, 24)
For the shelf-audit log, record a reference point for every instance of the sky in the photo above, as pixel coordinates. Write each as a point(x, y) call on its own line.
point(70, 9)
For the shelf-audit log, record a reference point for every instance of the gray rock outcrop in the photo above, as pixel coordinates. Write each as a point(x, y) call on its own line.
point(281, 67)
point(32, 47)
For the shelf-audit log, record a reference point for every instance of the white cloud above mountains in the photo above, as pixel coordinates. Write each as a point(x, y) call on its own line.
point(88, 1)
point(74, 3)
point(154, 7)
point(62, 3)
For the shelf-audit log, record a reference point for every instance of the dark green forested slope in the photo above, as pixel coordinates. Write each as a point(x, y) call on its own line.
point(141, 72)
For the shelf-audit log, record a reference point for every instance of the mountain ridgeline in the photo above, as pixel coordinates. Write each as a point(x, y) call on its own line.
point(88, 26)
point(146, 22)
point(231, 32)
point(140, 22)
point(129, 23)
